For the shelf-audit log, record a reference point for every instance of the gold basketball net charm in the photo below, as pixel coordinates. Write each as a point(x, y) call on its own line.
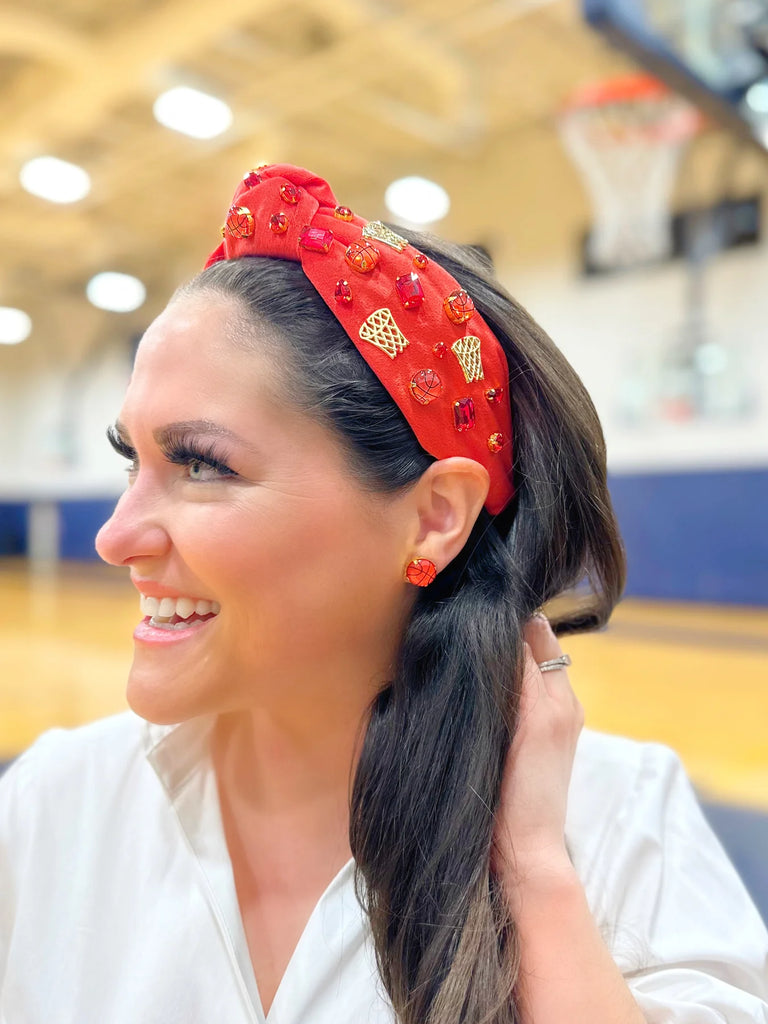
point(375, 229)
point(381, 330)
point(467, 351)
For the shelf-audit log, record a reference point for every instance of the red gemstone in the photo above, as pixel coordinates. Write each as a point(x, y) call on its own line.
point(421, 572)
point(239, 222)
point(420, 261)
point(426, 386)
point(410, 291)
point(278, 222)
point(494, 394)
point(316, 239)
point(464, 414)
point(362, 256)
point(343, 292)
point(439, 349)
point(495, 443)
point(459, 307)
point(251, 179)
point(290, 193)
point(343, 213)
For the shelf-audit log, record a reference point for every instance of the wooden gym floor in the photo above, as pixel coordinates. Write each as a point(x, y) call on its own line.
point(692, 676)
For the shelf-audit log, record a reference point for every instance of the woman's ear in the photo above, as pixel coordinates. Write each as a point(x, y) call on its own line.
point(446, 501)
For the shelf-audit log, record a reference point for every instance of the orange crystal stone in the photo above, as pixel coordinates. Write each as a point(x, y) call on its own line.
point(421, 572)
point(459, 307)
point(343, 213)
point(495, 443)
point(239, 222)
point(290, 193)
point(278, 223)
point(362, 256)
point(426, 386)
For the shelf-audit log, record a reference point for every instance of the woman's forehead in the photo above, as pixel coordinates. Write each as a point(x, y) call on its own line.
point(188, 368)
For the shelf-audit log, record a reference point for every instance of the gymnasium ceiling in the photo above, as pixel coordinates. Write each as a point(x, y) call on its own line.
point(361, 91)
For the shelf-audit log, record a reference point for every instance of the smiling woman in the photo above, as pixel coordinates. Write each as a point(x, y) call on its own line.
point(356, 780)
point(262, 526)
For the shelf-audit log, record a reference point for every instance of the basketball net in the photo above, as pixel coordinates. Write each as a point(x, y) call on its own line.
point(626, 137)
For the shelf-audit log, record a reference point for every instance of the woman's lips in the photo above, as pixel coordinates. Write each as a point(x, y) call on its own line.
point(173, 619)
point(169, 633)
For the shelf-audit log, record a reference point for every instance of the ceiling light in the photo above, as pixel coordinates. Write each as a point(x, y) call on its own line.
point(15, 325)
point(757, 97)
point(119, 293)
point(192, 112)
point(54, 179)
point(417, 200)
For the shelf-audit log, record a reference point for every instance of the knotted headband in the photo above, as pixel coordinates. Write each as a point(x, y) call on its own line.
point(414, 325)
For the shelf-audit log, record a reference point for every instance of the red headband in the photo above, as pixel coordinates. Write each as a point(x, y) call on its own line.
point(413, 324)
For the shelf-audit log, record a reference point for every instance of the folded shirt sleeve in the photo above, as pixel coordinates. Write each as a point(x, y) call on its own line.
point(681, 926)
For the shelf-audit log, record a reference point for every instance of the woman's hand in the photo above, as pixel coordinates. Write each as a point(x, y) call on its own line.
point(566, 972)
point(530, 826)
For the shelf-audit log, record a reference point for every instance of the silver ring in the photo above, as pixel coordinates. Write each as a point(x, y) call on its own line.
point(561, 662)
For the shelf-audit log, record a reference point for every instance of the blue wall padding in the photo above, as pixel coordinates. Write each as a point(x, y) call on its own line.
point(80, 522)
point(698, 536)
point(13, 529)
point(744, 834)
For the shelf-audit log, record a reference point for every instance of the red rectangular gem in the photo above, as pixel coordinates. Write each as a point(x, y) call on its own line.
point(464, 414)
point(410, 291)
point(317, 239)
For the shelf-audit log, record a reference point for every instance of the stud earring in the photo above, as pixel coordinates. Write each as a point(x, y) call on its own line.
point(421, 572)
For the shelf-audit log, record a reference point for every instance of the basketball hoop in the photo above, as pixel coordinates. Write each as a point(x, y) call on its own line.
point(626, 136)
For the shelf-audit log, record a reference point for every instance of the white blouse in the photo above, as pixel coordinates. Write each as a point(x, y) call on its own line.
point(118, 904)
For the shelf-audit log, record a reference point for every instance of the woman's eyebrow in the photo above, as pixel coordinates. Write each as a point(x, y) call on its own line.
point(165, 435)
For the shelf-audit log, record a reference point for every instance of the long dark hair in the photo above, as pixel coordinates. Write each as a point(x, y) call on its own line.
point(428, 778)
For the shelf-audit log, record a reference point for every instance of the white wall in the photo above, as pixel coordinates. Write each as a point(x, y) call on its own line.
point(52, 424)
point(614, 330)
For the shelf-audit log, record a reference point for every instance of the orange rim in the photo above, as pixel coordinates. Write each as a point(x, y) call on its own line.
point(673, 122)
point(624, 89)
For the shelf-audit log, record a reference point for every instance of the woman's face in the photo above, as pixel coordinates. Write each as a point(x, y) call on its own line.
point(304, 567)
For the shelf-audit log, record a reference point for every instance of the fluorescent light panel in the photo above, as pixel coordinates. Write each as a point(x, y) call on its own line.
point(55, 180)
point(15, 325)
point(192, 112)
point(417, 200)
point(118, 293)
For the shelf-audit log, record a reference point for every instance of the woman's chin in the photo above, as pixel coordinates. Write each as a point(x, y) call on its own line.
point(160, 698)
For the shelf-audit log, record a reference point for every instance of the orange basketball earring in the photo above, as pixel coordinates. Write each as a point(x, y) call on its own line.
point(421, 572)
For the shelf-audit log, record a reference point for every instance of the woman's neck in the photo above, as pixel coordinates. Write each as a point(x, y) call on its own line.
point(284, 782)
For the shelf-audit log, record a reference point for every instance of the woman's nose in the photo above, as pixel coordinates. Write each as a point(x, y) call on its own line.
point(134, 530)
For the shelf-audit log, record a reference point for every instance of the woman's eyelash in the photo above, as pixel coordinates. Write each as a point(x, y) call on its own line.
point(181, 454)
point(121, 447)
point(178, 452)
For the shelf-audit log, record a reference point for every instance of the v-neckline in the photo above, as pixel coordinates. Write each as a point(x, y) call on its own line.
point(198, 808)
point(338, 880)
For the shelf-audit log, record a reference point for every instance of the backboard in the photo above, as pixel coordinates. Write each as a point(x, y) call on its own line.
point(715, 52)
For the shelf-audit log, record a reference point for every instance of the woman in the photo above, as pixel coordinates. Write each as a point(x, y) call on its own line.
point(371, 806)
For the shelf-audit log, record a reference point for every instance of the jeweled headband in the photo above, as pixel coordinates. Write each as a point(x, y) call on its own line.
point(414, 325)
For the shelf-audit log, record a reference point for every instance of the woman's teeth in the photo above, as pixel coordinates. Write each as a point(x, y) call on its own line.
point(176, 611)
